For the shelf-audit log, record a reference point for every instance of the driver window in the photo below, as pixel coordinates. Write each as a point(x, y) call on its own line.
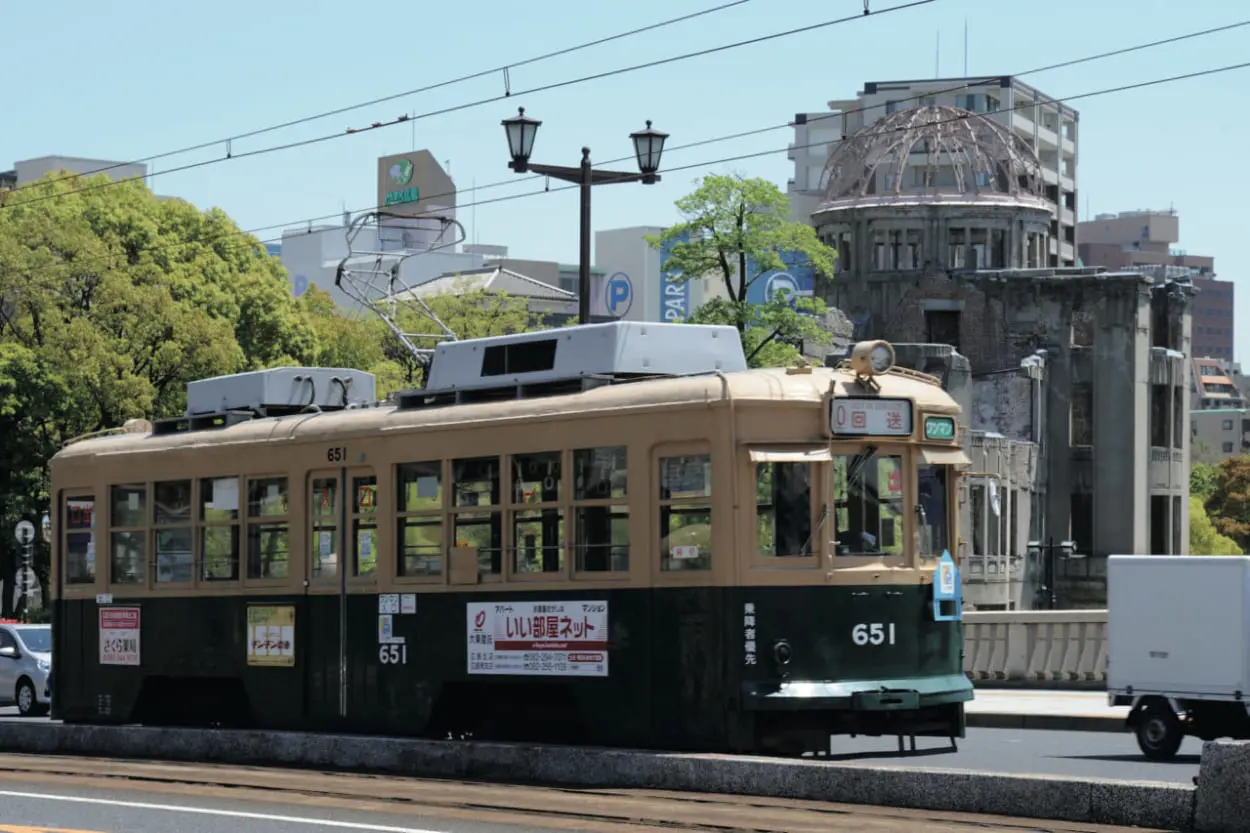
point(868, 503)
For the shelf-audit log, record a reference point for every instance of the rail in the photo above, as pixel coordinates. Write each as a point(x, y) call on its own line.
point(1036, 648)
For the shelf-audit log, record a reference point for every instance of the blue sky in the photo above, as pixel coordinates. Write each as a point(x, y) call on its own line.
point(126, 80)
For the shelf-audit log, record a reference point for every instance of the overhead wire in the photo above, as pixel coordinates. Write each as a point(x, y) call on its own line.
point(669, 170)
point(503, 69)
point(555, 85)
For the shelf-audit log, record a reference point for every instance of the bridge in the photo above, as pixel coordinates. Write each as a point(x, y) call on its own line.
point(1045, 649)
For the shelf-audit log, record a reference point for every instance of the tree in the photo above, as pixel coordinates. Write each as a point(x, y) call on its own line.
point(1229, 504)
point(110, 302)
point(1204, 539)
point(737, 230)
point(1202, 480)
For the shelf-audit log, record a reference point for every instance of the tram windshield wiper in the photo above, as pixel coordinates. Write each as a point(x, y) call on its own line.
point(859, 463)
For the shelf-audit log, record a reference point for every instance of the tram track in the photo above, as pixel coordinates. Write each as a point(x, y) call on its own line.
point(552, 807)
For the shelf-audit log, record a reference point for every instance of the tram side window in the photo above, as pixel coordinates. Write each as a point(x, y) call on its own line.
point(419, 487)
point(219, 528)
point(364, 525)
point(128, 520)
point(783, 508)
point(269, 535)
point(933, 516)
point(323, 509)
point(475, 484)
point(868, 501)
point(171, 503)
point(79, 540)
point(686, 512)
point(537, 517)
point(601, 510)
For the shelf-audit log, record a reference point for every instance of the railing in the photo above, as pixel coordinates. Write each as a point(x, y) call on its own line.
point(1036, 648)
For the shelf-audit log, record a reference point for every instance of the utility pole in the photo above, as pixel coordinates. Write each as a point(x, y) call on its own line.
point(24, 533)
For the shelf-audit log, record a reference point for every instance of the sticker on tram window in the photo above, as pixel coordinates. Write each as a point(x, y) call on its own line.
point(939, 428)
point(686, 552)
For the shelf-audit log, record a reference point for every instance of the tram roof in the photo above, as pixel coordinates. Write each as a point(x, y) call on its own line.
point(759, 385)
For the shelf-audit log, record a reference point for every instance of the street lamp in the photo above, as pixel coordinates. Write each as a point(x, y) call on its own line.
point(648, 147)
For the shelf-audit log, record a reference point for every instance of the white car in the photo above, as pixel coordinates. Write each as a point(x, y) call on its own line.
point(25, 665)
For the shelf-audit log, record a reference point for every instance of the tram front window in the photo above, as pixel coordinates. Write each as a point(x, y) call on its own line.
point(868, 503)
point(931, 514)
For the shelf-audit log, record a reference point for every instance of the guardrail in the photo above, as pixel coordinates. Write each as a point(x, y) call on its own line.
point(1036, 648)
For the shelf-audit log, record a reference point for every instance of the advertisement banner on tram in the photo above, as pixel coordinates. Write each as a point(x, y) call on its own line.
point(548, 638)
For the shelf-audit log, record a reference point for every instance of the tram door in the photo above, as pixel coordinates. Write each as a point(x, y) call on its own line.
point(343, 555)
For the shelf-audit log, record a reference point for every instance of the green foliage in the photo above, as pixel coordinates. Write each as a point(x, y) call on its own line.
point(1229, 504)
point(1202, 480)
point(111, 301)
point(769, 331)
point(734, 230)
point(1204, 538)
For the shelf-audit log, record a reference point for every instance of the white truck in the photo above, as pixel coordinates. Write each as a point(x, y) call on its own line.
point(1178, 647)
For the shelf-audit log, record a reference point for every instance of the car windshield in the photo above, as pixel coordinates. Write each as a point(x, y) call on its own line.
point(38, 640)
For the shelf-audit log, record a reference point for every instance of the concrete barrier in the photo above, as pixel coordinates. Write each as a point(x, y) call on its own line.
point(1223, 798)
point(1082, 800)
point(1065, 649)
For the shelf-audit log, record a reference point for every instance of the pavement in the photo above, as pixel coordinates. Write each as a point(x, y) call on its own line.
point(47, 794)
point(1073, 711)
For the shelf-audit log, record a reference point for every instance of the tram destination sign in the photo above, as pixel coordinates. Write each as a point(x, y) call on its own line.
point(870, 417)
point(939, 428)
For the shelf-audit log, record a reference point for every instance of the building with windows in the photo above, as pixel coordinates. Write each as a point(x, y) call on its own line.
point(1216, 434)
point(1079, 380)
point(1146, 241)
point(1218, 384)
point(1046, 128)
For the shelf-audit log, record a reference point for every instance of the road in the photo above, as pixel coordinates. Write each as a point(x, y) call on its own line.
point(1017, 751)
point(66, 796)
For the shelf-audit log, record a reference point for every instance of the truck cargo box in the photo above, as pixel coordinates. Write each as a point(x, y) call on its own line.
point(1178, 626)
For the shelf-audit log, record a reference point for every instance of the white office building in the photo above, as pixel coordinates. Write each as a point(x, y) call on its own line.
point(1048, 128)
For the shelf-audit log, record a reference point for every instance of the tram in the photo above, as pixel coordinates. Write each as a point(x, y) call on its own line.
point(612, 534)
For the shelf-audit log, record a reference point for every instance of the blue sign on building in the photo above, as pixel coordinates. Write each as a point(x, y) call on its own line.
point(797, 277)
point(299, 285)
point(674, 295)
point(618, 295)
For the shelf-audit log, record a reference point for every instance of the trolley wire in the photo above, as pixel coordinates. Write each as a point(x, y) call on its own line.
point(405, 119)
point(503, 69)
point(975, 81)
point(252, 232)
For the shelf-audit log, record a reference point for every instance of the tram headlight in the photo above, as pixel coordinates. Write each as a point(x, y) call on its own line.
point(872, 358)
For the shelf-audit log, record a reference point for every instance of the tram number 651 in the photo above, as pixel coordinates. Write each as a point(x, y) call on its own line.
point(875, 633)
point(393, 654)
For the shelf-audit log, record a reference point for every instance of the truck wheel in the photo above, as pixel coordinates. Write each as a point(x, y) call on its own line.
point(1159, 733)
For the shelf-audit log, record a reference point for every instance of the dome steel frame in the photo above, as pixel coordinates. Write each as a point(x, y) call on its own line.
point(989, 161)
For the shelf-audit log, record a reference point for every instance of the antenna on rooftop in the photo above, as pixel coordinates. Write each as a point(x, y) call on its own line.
point(373, 280)
point(965, 47)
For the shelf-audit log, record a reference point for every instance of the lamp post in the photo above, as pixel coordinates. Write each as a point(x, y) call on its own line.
point(648, 145)
point(1065, 550)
